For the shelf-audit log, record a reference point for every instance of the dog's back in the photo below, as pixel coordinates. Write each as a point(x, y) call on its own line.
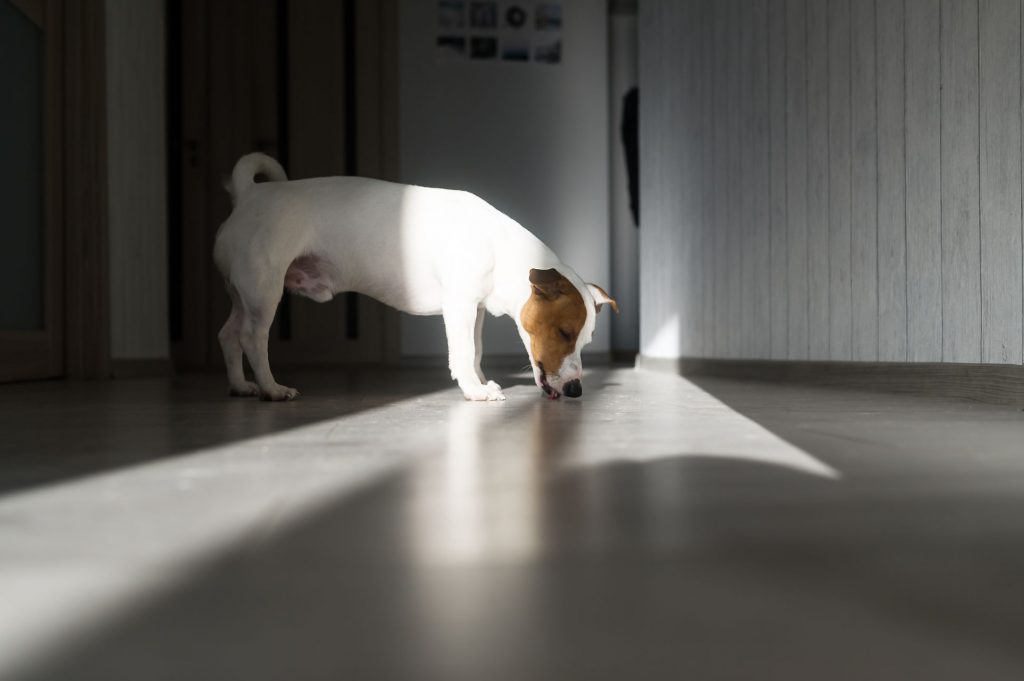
point(393, 242)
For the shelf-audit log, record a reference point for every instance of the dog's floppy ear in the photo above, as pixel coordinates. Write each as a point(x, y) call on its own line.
point(602, 298)
point(546, 283)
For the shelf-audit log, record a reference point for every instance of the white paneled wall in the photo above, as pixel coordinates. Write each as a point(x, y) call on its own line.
point(832, 180)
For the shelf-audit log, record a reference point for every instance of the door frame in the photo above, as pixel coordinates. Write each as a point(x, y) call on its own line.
point(37, 354)
point(75, 339)
point(83, 173)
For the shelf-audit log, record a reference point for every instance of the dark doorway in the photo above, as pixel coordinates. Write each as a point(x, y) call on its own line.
point(309, 82)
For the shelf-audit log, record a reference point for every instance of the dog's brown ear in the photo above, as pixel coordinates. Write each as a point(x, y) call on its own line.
point(602, 298)
point(546, 283)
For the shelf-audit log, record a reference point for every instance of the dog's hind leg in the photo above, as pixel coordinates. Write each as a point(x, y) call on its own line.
point(259, 305)
point(231, 345)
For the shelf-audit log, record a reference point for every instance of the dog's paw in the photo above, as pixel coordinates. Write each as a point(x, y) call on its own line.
point(247, 389)
point(279, 393)
point(491, 392)
point(494, 391)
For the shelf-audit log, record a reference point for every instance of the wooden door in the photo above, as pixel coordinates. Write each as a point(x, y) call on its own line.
point(279, 76)
point(31, 340)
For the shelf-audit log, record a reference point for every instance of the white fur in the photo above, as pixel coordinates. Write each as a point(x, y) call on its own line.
point(423, 251)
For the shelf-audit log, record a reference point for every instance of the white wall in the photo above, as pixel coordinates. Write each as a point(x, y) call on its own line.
point(137, 162)
point(832, 180)
point(530, 138)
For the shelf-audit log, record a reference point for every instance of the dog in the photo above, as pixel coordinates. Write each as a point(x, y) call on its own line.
point(420, 250)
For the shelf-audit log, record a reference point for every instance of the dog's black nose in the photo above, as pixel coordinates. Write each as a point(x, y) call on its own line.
point(573, 388)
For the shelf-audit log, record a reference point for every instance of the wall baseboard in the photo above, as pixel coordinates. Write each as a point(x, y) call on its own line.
point(995, 383)
point(141, 368)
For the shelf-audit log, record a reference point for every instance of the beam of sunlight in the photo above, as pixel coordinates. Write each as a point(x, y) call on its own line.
point(489, 478)
point(684, 420)
point(699, 423)
point(76, 554)
point(666, 341)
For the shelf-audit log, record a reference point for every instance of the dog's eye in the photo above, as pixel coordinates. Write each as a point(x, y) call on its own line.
point(565, 334)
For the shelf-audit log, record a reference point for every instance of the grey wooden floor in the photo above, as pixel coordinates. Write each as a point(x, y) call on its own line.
point(382, 528)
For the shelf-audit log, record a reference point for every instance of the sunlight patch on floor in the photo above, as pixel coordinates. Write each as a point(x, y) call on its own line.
point(76, 553)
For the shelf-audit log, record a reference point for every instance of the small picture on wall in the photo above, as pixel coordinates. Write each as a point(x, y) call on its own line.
point(548, 52)
point(450, 47)
point(515, 17)
point(505, 30)
point(548, 16)
point(481, 47)
point(451, 14)
point(483, 14)
point(515, 49)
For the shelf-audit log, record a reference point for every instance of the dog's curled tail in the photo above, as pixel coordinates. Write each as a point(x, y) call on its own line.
point(246, 170)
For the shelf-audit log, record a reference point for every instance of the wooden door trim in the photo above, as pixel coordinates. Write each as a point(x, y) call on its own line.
point(377, 121)
point(190, 350)
point(84, 176)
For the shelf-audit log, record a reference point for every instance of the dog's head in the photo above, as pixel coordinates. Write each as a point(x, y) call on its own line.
point(556, 322)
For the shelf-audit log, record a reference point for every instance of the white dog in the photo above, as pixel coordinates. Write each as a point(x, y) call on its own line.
point(423, 251)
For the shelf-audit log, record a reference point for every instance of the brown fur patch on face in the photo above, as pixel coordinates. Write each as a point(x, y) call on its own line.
point(553, 316)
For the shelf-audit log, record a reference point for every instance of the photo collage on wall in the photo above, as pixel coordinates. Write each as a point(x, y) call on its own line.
point(488, 30)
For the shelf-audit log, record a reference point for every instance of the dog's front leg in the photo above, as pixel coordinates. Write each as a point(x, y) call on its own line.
point(478, 343)
point(460, 322)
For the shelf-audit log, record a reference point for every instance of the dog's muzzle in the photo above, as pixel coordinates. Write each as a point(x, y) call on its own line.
point(573, 388)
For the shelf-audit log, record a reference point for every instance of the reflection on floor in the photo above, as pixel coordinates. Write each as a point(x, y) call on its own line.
point(382, 528)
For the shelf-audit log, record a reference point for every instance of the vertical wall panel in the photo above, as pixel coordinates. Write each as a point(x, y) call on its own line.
point(864, 217)
point(651, 58)
point(672, 150)
point(777, 110)
point(733, 199)
point(1000, 90)
point(692, 177)
point(746, 171)
point(796, 175)
point(892, 233)
point(839, 180)
point(762, 185)
point(961, 235)
point(817, 180)
point(924, 236)
point(720, 171)
point(708, 178)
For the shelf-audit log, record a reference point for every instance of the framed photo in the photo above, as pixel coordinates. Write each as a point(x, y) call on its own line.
point(483, 14)
point(483, 47)
point(450, 47)
point(548, 16)
point(451, 14)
